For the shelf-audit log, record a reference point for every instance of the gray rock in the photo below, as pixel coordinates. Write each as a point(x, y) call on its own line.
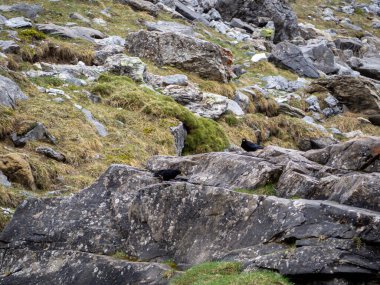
point(357, 94)
point(212, 106)
point(179, 132)
point(122, 64)
point(75, 32)
point(176, 79)
point(322, 57)
point(369, 67)
point(142, 5)
point(106, 51)
point(9, 47)
point(353, 44)
point(237, 23)
point(51, 153)
point(331, 101)
point(10, 93)
point(77, 16)
point(291, 111)
point(189, 13)
point(111, 40)
point(313, 103)
point(290, 56)
point(242, 100)
point(315, 143)
point(204, 58)
point(164, 26)
point(100, 128)
point(281, 83)
point(4, 180)
point(278, 11)
point(18, 22)
point(183, 94)
point(36, 132)
point(27, 10)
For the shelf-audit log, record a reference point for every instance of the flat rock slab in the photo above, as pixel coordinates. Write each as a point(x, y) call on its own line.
point(10, 92)
point(75, 32)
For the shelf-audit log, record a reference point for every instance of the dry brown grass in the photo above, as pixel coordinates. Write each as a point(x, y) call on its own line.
point(349, 122)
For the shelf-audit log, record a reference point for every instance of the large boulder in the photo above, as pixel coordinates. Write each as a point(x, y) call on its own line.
point(289, 56)
point(208, 60)
point(10, 92)
point(356, 93)
point(279, 11)
point(129, 211)
point(369, 67)
point(321, 55)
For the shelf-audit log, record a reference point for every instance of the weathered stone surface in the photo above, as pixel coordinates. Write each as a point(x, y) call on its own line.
point(352, 44)
point(173, 27)
point(122, 64)
point(18, 22)
point(358, 94)
point(106, 51)
point(9, 47)
point(17, 169)
point(190, 222)
point(27, 10)
point(179, 133)
point(75, 32)
point(278, 11)
point(51, 153)
point(321, 55)
point(204, 58)
point(189, 13)
point(10, 93)
point(36, 132)
point(369, 67)
point(289, 56)
point(142, 5)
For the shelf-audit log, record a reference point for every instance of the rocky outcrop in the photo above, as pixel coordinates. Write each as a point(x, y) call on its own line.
point(142, 5)
point(195, 219)
point(75, 32)
point(36, 132)
point(122, 64)
point(289, 56)
point(279, 11)
point(204, 58)
point(358, 94)
point(10, 92)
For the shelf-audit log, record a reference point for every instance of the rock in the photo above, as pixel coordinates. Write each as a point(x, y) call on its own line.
point(291, 111)
point(374, 119)
point(17, 169)
point(281, 83)
point(237, 23)
point(18, 22)
point(36, 132)
point(27, 10)
point(369, 67)
point(259, 57)
point(10, 93)
point(122, 64)
point(204, 58)
point(183, 94)
point(106, 51)
point(212, 106)
point(189, 13)
point(99, 21)
point(352, 44)
point(179, 132)
point(9, 47)
point(75, 32)
point(51, 153)
point(4, 180)
point(77, 265)
point(289, 56)
point(111, 40)
point(313, 103)
point(315, 143)
point(173, 27)
point(176, 79)
point(322, 57)
point(280, 12)
point(352, 155)
point(142, 5)
point(100, 128)
point(77, 16)
point(242, 100)
point(353, 134)
point(358, 94)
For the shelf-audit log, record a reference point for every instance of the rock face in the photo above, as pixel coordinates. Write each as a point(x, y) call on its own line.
point(278, 11)
point(10, 92)
point(122, 64)
point(204, 58)
point(200, 218)
point(84, 33)
point(289, 56)
point(358, 94)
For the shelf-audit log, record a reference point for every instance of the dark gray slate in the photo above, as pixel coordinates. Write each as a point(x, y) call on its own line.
point(289, 56)
point(37, 132)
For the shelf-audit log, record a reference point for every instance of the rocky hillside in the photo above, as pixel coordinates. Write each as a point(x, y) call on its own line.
point(138, 86)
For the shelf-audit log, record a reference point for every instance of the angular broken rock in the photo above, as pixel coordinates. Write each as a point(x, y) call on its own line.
point(122, 64)
point(51, 153)
point(179, 133)
point(208, 60)
point(10, 92)
point(37, 132)
point(142, 5)
point(75, 32)
point(289, 56)
point(174, 27)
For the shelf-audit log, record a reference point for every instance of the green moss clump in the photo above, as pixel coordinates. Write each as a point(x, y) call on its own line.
point(31, 34)
point(267, 33)
point(47, 81)
point(268, 190)
point(225, 273)
point(204, 135)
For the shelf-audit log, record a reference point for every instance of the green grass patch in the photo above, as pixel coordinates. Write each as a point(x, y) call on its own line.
point(31, 34)
point(226, 273)
point(47, 81)
point(204, 135)
point(268, 190)
point(122, 255)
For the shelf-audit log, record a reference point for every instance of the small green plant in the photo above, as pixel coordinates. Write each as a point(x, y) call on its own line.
point(124, 256)
point(268, 190)
point(47, 81)
point(358, 242)
point(267, 33)
point(231, 120)
point(171, 264)
point(31, 34)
